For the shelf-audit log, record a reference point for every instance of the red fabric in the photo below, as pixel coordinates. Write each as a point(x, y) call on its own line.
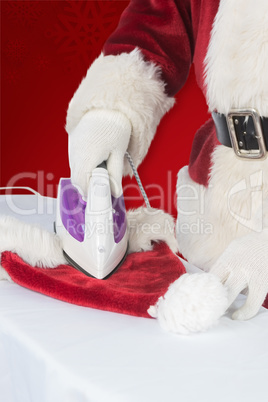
point(204, 143)
point(162, 32)
point(132, 289)
point(172, 34)
point(265, 304)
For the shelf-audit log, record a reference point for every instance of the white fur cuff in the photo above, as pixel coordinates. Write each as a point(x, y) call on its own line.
point(33, 244)
point(147, 225)
point(128, 84)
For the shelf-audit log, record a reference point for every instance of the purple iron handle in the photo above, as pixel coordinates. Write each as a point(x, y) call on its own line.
point(73, 207)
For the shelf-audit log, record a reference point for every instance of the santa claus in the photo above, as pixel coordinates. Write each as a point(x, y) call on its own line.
point(121, 101)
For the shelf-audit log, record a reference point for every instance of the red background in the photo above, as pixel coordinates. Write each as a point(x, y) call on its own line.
point(46, 48)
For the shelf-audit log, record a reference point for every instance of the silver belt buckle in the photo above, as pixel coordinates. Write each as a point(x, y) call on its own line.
point(260, 153)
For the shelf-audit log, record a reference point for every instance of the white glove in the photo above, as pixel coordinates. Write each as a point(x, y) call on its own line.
point(244, 265)
point(101, 135)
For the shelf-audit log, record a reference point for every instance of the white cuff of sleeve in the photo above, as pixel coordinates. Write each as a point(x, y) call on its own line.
point(128, 84)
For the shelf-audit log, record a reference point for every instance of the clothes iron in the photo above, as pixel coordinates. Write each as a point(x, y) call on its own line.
point(93, 231)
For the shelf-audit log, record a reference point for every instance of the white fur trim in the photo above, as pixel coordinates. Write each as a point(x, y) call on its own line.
point(148, 225)
point(237, 58)
point(130, 85)
point(193, 303)
point(33, 244)
point(236, 76)
point(232, 206)
point(4, 275)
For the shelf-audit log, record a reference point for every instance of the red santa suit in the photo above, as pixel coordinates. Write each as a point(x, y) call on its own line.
point(144, 63)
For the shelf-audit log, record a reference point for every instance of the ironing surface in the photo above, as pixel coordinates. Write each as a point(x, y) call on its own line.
point(104, 356)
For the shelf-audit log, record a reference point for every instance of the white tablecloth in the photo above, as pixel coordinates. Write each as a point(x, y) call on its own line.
point(51, 351)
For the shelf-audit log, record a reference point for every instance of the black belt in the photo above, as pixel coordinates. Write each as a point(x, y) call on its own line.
point(244, 131)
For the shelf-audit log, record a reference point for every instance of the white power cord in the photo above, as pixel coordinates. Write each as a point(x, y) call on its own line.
point(21, 188)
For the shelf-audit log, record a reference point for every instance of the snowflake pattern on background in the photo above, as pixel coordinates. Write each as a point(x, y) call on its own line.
point(41, 62)
point(12, 77)
point(16, 50)
point(81, 29)
point(24, 12)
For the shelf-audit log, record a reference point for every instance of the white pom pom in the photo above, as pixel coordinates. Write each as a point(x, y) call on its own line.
point(193, 303)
